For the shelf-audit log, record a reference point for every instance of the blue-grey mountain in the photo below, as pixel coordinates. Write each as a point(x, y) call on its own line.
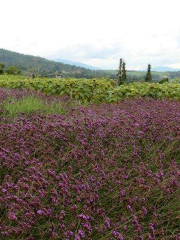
point(78, 64)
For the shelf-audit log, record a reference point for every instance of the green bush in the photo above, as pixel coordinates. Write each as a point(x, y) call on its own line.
point(13, 70)
point(163, 80)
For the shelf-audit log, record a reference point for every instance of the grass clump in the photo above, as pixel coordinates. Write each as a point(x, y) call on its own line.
point(31, 104)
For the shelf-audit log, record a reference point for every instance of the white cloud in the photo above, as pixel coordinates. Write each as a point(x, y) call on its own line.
point(96, 32)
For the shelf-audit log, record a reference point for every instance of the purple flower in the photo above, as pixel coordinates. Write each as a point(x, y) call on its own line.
point(107, 222)
point(12, 217)
point(117, 235)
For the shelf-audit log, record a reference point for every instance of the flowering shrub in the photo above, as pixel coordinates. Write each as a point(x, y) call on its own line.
point(103, 172)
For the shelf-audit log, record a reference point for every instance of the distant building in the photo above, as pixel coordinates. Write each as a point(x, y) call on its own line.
point(58, 75)
point(76, 72)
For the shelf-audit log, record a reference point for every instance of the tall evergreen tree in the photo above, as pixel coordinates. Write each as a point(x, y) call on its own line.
point(122, 72)
point(148, 77)
point(124, 76)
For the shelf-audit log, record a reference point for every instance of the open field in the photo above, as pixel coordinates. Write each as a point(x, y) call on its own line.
point(96, 172)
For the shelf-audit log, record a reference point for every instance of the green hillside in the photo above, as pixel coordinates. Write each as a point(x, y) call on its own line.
point(42, 66)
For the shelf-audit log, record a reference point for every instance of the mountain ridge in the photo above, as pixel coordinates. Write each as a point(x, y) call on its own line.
point(24, 62)
point(163, 69)
point(78, 64)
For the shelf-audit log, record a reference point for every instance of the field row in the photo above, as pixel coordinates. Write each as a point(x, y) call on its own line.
point(97, 90)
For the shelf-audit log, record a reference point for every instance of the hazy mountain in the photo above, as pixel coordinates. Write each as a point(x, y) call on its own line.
point(78, 64)
point(164, 69)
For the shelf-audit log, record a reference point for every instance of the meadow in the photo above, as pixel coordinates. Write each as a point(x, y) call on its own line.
point(85, 159)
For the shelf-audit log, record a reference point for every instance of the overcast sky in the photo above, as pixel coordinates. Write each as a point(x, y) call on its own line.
point(95, 32)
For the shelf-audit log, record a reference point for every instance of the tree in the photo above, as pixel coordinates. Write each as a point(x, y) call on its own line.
point(124, 76)
point(122, 72)
point(2, 67)
point(148, 77)
point(13, 70)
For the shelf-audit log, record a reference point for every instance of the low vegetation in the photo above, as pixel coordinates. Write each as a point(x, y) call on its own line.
point(16, 103)
point(93, 91)
point(107, 171)
point(87, 159)
point(28, 105)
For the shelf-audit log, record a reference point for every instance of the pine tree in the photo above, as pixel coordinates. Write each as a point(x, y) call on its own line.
point(148, 77)
point(124, 76)
point(122, 72)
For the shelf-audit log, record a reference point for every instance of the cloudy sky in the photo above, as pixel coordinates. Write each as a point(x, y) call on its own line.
point(95, 32)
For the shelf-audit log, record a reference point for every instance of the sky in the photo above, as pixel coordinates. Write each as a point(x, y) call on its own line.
point(95, 32)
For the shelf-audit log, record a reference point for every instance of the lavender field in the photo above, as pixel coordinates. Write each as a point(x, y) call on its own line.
point(100, 172)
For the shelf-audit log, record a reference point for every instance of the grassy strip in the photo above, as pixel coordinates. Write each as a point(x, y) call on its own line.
point(30, 104)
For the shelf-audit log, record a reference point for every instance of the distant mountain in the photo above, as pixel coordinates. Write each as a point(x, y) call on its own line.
point(26, 62)
point(78, 64)
point(41, 66)
point(164, 69)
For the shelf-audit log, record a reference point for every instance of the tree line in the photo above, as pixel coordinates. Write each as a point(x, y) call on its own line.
point(12, 70)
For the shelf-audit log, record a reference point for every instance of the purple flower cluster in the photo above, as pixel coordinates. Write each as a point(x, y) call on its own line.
point(6, 93)
point(105, 172)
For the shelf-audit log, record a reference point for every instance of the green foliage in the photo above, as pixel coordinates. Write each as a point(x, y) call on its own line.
point(83, 90)
point(96, 90)
point(25, 105)
point(13, 70)
point(119, 74)
point(124, 76)
point(148, 75)
point(154, 90)
point(122, 72)
point(54, 108)
point(163, 80)
point(176, 80)
point(31, 104)
point(2, 66)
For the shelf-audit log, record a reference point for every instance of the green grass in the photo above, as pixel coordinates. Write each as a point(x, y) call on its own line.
point(28, 105)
